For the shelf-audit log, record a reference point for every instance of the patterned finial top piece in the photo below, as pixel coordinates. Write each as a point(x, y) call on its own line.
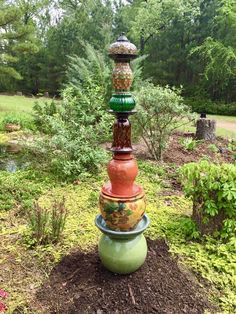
point(122, 47)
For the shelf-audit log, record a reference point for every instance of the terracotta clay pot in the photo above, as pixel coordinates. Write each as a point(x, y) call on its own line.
point(122, 173)
point(122, 214)
point(11, 127)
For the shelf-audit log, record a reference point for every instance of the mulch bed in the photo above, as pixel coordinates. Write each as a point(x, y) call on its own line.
point(178, 155)
point(80, 284)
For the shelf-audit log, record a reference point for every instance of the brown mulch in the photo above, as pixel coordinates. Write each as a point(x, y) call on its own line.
point(177, 154)
point(80, 284)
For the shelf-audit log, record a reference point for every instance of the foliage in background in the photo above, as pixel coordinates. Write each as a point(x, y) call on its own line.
point(212, 188)
point(91, 68)
point(199, 104)
point(62, 29)
point(159, 112)
point(17, 38)
point(47, 224)
point(189, 43)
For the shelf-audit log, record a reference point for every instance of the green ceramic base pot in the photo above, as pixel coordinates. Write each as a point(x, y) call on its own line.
point(122, 256)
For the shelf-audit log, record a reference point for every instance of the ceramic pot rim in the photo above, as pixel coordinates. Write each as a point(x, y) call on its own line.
point(140, 228)
point(107, 194)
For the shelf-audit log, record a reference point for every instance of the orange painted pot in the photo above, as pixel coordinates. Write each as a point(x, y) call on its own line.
point(122, 214)
point(122, 173)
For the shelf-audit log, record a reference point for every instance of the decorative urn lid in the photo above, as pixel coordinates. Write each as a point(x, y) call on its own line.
point(122, 49)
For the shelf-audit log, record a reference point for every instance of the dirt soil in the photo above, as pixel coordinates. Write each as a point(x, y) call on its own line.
point(80, 284)
point(177, 154)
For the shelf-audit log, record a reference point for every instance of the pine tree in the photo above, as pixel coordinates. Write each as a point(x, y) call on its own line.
point(16, 38)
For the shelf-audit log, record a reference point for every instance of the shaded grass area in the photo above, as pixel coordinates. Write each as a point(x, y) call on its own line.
point(26, 267)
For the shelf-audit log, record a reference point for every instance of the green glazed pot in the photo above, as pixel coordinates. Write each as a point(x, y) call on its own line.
point(122, 256)
point(122, 102)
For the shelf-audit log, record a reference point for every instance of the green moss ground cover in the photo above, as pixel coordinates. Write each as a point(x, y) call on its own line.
point(26, 266)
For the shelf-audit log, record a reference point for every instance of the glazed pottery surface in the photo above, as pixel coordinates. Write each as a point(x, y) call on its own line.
point(122, 103)
point(122, 214)
point(139, 229)
point(122, 76)
point(122, 256)
point(121, 136)
point(122, 174)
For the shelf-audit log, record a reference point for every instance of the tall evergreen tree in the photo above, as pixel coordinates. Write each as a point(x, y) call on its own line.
point(16, 38)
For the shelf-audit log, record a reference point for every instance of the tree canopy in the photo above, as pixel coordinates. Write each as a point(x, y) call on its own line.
point(190, 43)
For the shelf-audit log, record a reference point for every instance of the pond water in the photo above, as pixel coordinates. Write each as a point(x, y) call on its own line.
point(9, 161)
point(12, 165)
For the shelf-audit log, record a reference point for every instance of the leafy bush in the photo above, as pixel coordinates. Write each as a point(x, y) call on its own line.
point(11, 120)
point(23, 119)
point(94, 68)
point(208, 106)
point(42, 114)
point(46, 224)
point(189, 143)
point(159, 112)
point(81, 122)
point(76, 131)
point(212, 188)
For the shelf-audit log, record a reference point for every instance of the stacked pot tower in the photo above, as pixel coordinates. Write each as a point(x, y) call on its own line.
point(122, 247)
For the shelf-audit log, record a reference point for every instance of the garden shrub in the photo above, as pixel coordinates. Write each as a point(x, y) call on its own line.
point(160, 111)
point(47, 224)
point(42, 113)
point(77, 127)
point(23, 119)
point(208, 106)
point(76, 130)
point(212, 188)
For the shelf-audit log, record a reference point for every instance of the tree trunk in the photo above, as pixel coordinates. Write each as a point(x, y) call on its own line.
point(206, 129)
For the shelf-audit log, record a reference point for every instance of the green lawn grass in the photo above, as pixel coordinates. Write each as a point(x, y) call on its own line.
point(16, 103)
point(20, 107)
point(231, 119)
point(219, 131)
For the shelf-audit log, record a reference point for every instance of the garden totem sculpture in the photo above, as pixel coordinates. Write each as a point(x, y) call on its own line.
point(122, 247)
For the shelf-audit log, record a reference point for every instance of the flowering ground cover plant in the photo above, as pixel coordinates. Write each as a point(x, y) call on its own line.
point(3, 295)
